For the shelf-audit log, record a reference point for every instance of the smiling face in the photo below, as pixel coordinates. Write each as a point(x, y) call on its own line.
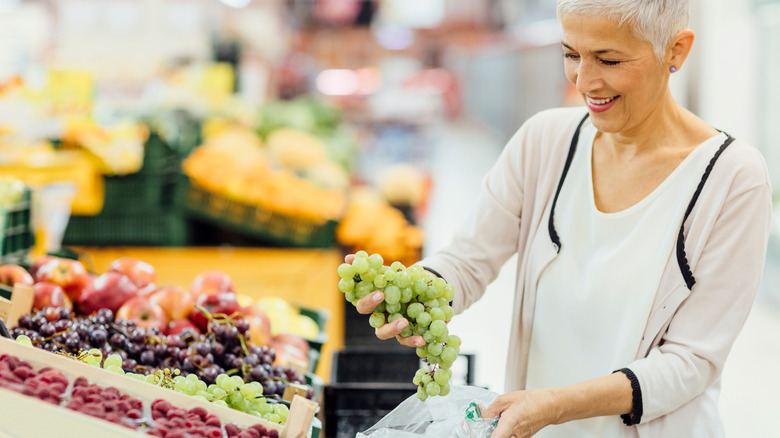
point(624, 85)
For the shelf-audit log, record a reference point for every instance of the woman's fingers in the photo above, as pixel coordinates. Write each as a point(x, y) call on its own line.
point(411, 341)
point(392, 329)
point(368, 303)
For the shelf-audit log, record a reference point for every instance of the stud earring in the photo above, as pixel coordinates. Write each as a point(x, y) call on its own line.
point(673, 69)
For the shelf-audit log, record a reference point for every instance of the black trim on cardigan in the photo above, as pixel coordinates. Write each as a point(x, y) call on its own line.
point(682, 259)
point(432, 272)
point(636, 395)
point(573, 147)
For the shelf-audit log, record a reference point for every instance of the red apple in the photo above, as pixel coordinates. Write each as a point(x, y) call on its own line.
point(140, 273)
point(110, 290)
point(214, 303)
point(144, 312)
point(288, 348)
point(148, 290)
point(12, 274)
point(40, 261)
point(177, 326)
point(49, 295)
point(210, 282)
point(68, 274)
point(259, 328)
point(175, 301)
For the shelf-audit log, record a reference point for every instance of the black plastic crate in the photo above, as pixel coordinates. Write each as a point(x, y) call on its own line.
point(373, 365)
point(354, 407)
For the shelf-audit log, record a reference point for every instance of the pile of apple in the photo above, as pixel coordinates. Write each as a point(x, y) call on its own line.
point(129, 290)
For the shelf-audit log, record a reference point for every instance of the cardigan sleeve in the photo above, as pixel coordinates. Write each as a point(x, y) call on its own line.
point(728, 247)
point(489, 236)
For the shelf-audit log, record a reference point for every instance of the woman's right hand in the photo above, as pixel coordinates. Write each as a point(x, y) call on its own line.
point(366, 306)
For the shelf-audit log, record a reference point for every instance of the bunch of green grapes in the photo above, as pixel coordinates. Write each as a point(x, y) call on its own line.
point(230, 392)
point(420, 297)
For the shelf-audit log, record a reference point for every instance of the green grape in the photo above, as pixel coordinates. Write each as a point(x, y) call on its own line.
point(448, 313)
point(407, 331)
point(221, 403)
point(360, 265)
point(421, 393)
point(439, 284)
point(200, 385)
point(280, 410)
point(393, 308)
point(417, 379)
point(419, 286)
point(449, 293)
point(414, 310)
point(346, 285)
point(115, 369)
point(375, 261)
point(205, 395)
point(229, 385)
point(234, 399)
point(259, 389)
point(394, 317)
point(248, 391)
point(419, 331)
point(151, 378)
point(364, 288)
point(431, 304)
point(239, 381)
point(369, 275)
point(218, 380)
point(424, 319)
point(428, 336)
point(437, 314)
point(392, 295)
point(218, 393)
point(435, 349)
point(381, 307)
point(445, 389)
point(426, 379)
point(403, 280)
point(345, 271)
point(389, 274)
point(438, 328)
point(422, 352)
point(431, 293)
point(441, 339)
point(433, 389)
point(266, 409)
point(201, 398)
point(24, 340)
point(376, 320)
point(433, 359)
point(442, 376)
point(449, 354)
point(192, 377)
point(274, 418)
point(453, 341)
point(406, 295)
point(361, 254)
point(351, 296)
point(397, 266)
point(380, 281)
point(443, 303)
point(113, 359)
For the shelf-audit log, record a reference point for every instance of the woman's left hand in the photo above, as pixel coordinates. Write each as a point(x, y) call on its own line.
point(522, 413)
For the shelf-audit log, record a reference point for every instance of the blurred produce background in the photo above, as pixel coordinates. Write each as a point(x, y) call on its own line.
point(268, 138)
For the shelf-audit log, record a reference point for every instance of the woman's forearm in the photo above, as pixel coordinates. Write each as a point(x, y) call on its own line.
point(608, 395)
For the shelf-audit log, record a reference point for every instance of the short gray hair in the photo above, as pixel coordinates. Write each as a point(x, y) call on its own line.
point(655, 21)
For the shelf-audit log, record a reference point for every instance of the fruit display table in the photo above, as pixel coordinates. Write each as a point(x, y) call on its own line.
point(303, 277)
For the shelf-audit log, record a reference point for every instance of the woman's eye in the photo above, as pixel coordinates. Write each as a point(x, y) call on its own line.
point(605, 62)
point(571, 55)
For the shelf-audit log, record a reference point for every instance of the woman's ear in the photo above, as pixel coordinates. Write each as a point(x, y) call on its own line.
point(679, 48)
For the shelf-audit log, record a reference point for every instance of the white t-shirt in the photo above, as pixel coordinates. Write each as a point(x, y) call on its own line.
point(594, 299)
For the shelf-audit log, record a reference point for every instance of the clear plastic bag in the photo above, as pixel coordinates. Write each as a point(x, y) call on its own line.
point(455, 415)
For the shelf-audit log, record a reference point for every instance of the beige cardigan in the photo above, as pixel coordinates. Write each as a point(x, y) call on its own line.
point(689, 332)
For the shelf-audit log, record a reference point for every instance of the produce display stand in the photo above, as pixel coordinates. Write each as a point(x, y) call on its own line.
point(303, 277)
point(34, 418)
point(252, 220)
point(16, 233)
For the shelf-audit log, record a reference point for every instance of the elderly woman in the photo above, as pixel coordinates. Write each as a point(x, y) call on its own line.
point(641, 231)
